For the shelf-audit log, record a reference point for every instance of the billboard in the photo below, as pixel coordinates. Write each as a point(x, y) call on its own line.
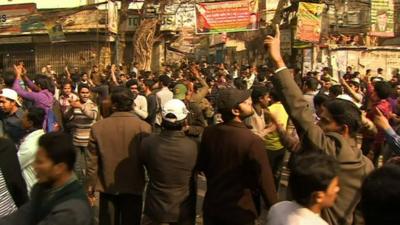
point(309, 22)
point(231, 16)
point(382, 18)
point(112, 8)
point(177, 16)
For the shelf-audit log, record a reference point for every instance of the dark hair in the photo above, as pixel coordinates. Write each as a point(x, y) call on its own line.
point(36, 116)
point(320, 99)
point(122, 99)
point(382, 89)
point(149, 83)
point(380, 70)
point(9, 79)
point(311, 83)
point(380, 196)
point(273, 94)
point(258, 92)
point(130, 83)
point(240, 83)
point(165, 80)
point(311, 172)
point(59, 148)
point(335, 90)
point(44, 83)
point(65, 83)
point(345, 113)
point(81, 86)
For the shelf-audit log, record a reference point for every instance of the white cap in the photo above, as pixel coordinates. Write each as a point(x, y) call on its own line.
point(175, 107)
point(10, 94)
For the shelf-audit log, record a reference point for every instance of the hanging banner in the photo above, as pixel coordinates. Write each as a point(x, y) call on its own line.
point(56, 33)
point(177, 16)
point(382, 22)
point(233, 16)
point(112, 8)
point(270, 10)
point(12, 15)
point(309, 21)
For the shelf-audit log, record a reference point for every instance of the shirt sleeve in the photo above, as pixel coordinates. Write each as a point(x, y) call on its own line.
point(393, 140)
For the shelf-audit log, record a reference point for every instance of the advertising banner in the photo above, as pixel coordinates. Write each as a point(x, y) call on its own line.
point(382, 18)
point(56, 33)
point(232, 16)
point(309, 21)
point(11, 16)
point(177, 16)
point(112, 8)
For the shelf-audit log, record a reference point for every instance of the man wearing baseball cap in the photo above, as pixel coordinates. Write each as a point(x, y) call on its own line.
point(170, 158)
point(11, 115)
point(235, 164)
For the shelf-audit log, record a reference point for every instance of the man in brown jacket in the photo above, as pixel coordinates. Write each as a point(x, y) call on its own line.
point(113, 165)
point(235, 164)
point(335, 135)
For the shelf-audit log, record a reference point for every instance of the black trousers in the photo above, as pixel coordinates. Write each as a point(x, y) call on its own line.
point(122, 209)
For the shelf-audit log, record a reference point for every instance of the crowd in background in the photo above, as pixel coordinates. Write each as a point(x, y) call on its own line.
point(327, 143)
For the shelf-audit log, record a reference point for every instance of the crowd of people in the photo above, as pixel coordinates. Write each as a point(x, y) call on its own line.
point(141, 139)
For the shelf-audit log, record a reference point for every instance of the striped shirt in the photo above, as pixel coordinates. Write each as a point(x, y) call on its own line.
point(82, 121)
point(7, 205)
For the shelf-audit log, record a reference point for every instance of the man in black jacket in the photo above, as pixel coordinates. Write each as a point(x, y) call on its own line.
point(170, 158)
point(11, 175)
point(57, 198)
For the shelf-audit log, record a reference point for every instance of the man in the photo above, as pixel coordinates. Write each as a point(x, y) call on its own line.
point(335, 135)
point(170, 158)
point(235, 164)
point(310, 91)
point(82, 115)
point(33, 123)
point(163, 95)
point(140, 102)
point(381, 196)
point(113, 165)
point(315, 184)
point(12, 185)
point(151, 101)
point(57, 198)
point(11, 115)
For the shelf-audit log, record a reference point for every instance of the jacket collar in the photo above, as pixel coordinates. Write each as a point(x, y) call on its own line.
point(172, 133)
point(235, 124)
point(123, 114)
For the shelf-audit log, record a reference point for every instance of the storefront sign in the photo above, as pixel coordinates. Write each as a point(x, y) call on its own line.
point(233, 16)
point(309, 21)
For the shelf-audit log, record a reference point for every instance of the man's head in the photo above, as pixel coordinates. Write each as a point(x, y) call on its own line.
point(335, 91)
point(355, 84)
point(380, 196)
point(319, 100)
point(311, 84)
point(33, 119)
point(84, 92)
point(174, 114)
point(9, 79)
point(55, 158)
point(9, 102)
point(314, 180)
point(340, 116)
point(380, 71)
point(122, 100)
point(67, 88)
point(180, 91)
point(133, 85)
point(148, 85)
point(260, 95)
point(164, 80)
point(382, 90)
point(349, 69)
point(234, 104)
